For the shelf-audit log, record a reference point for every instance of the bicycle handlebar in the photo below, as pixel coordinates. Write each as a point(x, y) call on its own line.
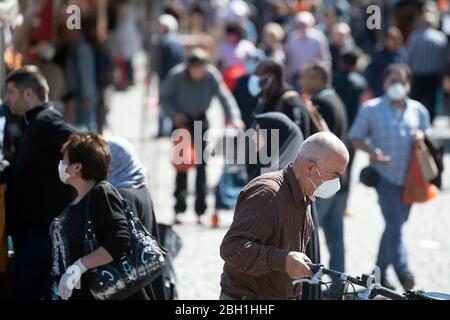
point(336, 274)
point(385, 292)
point(366, 281)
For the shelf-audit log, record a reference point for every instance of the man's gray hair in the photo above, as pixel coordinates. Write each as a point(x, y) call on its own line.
point(320, 146)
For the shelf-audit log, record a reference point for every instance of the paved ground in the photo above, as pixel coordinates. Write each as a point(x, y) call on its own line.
point(199, 265)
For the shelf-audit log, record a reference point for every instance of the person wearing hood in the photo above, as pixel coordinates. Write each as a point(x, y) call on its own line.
point(387, 128)
point(276, 143)
point(128, 175)
point(276, 95)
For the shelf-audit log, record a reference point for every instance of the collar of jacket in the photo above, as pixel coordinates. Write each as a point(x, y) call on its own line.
point(32, 113)
point(299, 196)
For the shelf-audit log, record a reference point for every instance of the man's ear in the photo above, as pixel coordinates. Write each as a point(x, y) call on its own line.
point(28, 94)
point(309, 167)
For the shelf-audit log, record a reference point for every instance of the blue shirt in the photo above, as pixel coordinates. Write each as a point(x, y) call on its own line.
point(427, 52)
point(388, 128)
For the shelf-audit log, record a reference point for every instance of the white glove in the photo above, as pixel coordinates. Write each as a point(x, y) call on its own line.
point(71, 279)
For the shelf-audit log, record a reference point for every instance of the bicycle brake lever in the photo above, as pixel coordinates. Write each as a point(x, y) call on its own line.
point(366, 294)
point(314, 280)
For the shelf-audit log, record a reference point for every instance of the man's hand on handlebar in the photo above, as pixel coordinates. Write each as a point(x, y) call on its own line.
point(297, 265)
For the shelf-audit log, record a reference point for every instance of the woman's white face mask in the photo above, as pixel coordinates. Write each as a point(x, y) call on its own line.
point(62, 170)
point(397, 91)
point(326, 189)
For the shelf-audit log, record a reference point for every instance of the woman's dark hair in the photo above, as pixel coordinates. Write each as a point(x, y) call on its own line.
point(398, 68)
point(272, 66)
point(92, 151)
point(235, 28)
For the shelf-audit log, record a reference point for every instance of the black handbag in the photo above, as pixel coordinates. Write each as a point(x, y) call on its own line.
point(121, 278)
point(369, 176)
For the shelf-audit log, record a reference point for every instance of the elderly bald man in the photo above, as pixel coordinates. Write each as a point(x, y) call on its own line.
point(264, 248)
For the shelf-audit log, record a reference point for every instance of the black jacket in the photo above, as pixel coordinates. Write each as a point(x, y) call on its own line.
point(350, 87)
point(35, 195)
point(333, 112)
point(293, 107)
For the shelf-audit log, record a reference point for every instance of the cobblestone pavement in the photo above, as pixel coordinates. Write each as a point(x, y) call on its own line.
point(199, 265)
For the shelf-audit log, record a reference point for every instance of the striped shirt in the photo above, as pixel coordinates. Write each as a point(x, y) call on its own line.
point(427, 52)
point(271, 219)
point(388, 128)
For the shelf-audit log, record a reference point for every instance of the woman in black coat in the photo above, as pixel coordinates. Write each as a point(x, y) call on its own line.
point(85, 164)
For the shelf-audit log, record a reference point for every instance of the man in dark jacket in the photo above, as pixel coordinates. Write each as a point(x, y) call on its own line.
point(35, 195)
point(276, 95)
point(349, 85)
point(315, 81)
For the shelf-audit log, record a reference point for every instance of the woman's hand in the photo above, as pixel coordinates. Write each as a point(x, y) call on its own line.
point(418, 136)
point(378, 155)
point(71, 279)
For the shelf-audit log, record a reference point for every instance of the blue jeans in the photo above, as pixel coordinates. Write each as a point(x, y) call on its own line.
point(330, 214)
point(87, 117)
point(392, 248)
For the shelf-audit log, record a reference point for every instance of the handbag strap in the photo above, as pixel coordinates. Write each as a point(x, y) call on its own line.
point(89, 233)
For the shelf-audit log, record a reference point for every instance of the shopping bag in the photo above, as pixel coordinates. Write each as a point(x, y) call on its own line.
point(232, 74)
point(183, 152)
point(417, 188)
point(427, 163)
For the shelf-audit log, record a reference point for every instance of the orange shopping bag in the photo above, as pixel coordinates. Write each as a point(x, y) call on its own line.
point(417, 189)
point(232, 74)
point(183, 152)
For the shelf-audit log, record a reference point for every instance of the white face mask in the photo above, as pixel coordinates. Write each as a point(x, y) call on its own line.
point(63, 175)
point(396, 91)
point(327, 189)
point(253, 85)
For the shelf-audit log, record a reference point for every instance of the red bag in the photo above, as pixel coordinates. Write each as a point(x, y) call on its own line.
point(417, 189)
point(232, 74)
point(183, 152)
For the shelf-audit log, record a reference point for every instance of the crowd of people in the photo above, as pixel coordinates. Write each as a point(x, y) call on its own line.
point(310, 70)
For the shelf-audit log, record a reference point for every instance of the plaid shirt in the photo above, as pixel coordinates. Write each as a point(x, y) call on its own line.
point(387, 128)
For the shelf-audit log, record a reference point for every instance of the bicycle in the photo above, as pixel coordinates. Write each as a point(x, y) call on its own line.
point(367, 281)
